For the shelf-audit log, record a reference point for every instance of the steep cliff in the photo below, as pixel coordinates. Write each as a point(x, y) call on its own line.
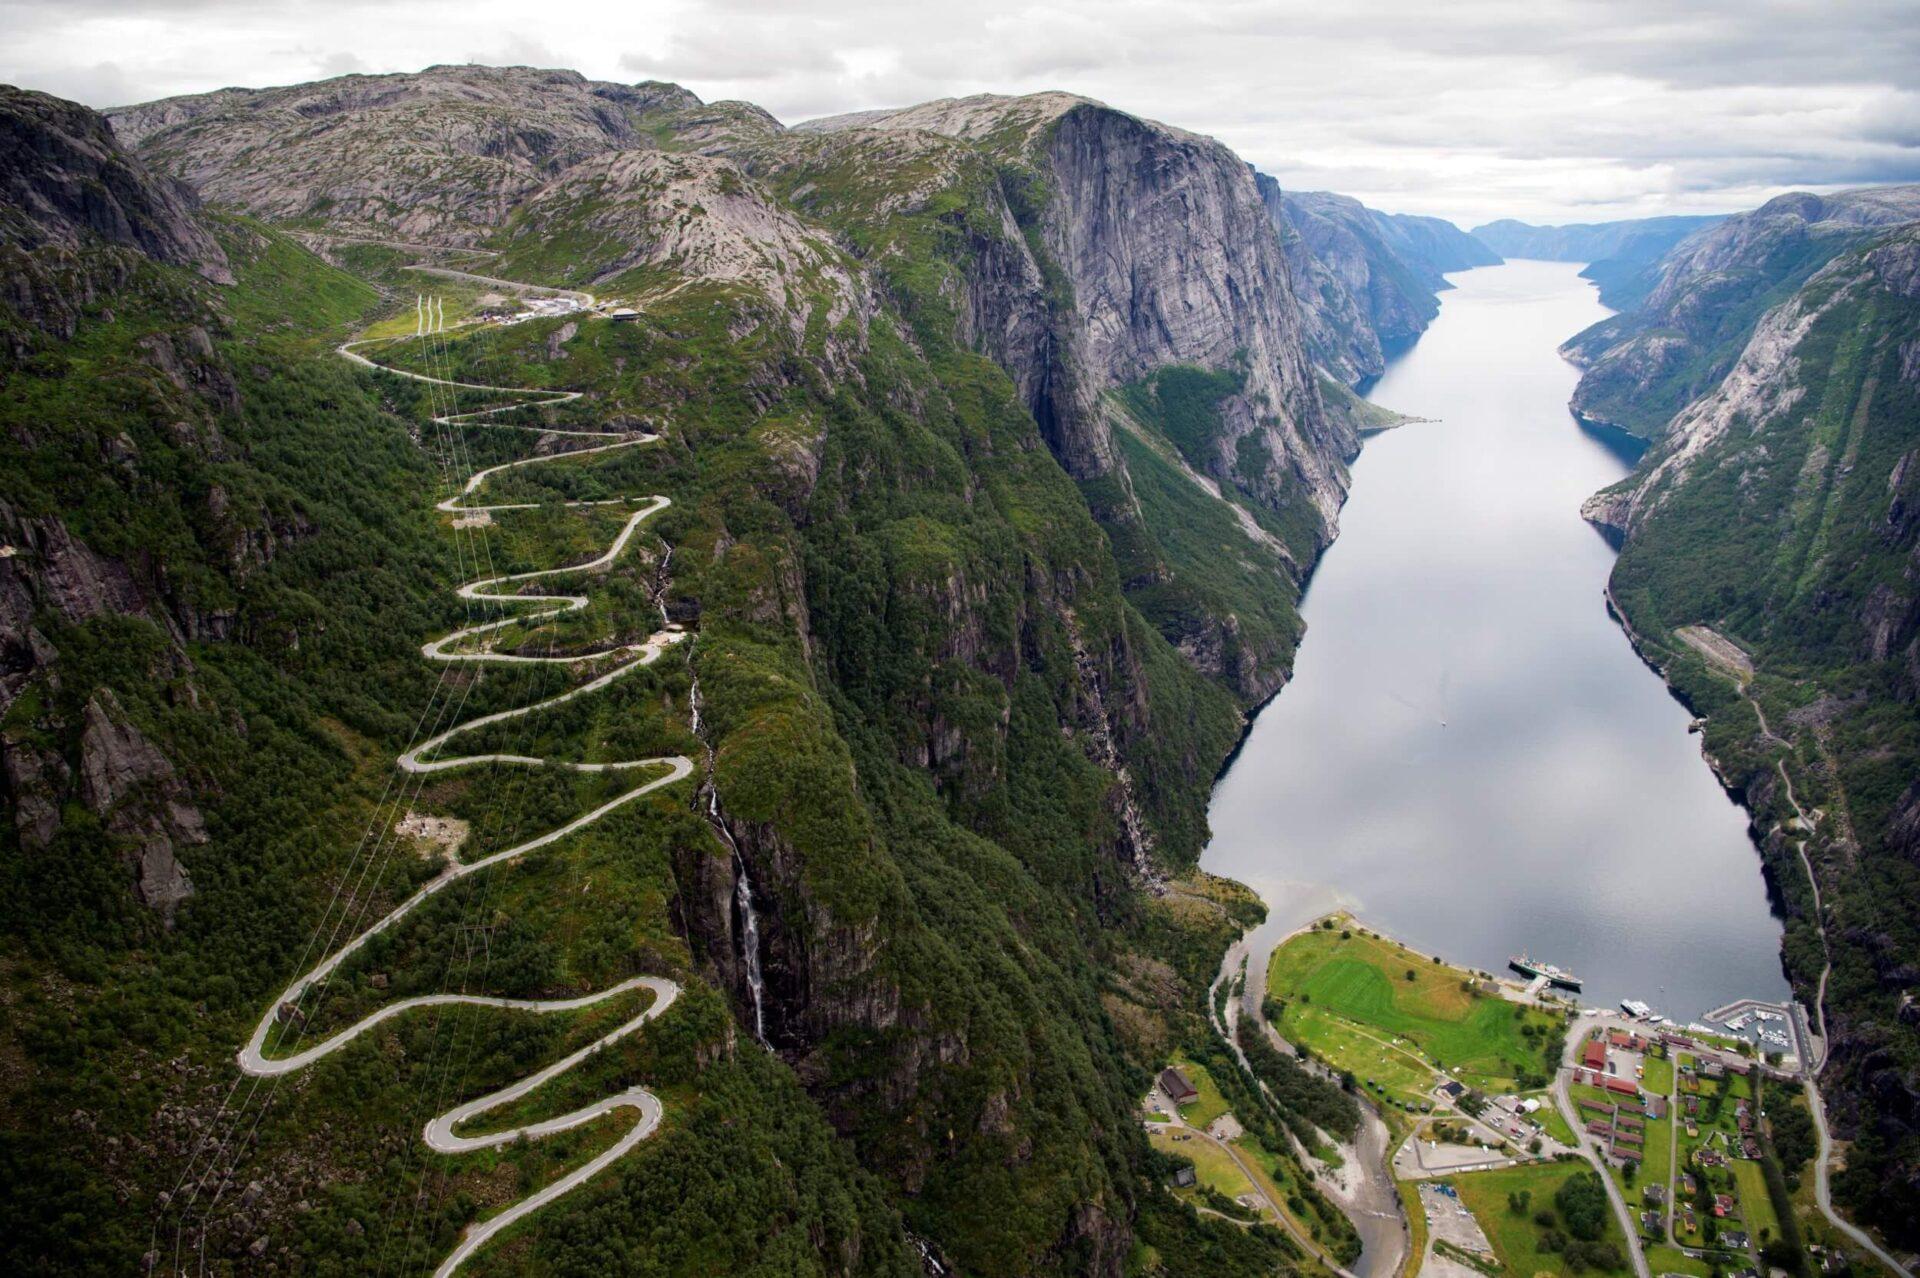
point(1368, 280)
point(1706, 294)
point(1779, 511)
point(960, 727)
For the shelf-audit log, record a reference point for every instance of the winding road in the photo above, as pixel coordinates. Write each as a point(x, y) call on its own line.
point(442, 1133)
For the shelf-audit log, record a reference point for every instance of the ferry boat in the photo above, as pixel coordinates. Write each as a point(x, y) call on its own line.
point(1635, 1008)
point(1555, 976)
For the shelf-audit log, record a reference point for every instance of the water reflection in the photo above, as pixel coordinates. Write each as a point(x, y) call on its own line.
point(1470, 754)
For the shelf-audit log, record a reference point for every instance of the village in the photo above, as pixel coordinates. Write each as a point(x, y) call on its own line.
point(1679, 1150)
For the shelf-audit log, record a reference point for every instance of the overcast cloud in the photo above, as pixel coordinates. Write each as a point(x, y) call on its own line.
point(1549, 110)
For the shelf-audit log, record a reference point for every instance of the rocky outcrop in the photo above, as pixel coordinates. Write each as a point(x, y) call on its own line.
point(66, 183)
point(139, 797)
point(1166, 256)
point(446, 154)
point(697, 216)
point(1367, 281)
point(1705, 296)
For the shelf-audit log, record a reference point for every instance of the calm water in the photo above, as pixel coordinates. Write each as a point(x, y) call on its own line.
point(1470, 755)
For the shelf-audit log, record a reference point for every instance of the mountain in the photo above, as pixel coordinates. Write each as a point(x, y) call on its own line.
point(1588, 241)
point(996, 462)
point(1706, 294)
point(1771, 571)
point(1367, 279)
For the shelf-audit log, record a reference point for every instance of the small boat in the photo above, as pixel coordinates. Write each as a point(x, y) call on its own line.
point(1555, 976)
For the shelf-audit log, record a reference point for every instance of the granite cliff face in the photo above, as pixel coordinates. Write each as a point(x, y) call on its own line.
point(66, 183)
point(1166, 257)
point(1367, 280)
point(1779, 509)
point(1705, 296)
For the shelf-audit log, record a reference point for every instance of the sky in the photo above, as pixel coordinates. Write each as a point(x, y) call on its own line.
point(1546, 110)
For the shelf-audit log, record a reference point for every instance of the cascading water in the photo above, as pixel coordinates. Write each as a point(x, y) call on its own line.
point(743, 887)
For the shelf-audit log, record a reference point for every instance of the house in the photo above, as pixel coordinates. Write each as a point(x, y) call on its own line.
point(1735, 1239)
point(1184, 1178)
point(1453, 1090)
point(1176, 1086)
point(1623, 1086)
point(1656, 1194)
point(1750, 1149)
point(1687, 1185)
point(1713, 1069)
point(1722, 1206)
point(1594, 1055)
point(1650, 1221)
point(1656, 1107)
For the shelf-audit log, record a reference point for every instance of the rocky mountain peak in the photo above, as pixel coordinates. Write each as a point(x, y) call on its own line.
point(64, 181)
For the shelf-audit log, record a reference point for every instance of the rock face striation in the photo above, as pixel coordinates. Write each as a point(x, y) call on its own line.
point(1368, 280)
point(1165, 255)
point(1703, 298)
point(66, 183)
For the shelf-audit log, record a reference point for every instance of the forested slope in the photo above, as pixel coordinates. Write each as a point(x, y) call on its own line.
point(1779, 510)
point(955, 685)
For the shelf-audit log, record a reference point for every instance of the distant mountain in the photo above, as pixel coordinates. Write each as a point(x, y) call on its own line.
point(1367, 281)
point(997, 463)
point(1619, 255)
point(1588, 241)
point(1702, 299)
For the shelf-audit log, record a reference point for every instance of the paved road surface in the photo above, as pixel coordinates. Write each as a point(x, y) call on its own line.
point(442, 1133)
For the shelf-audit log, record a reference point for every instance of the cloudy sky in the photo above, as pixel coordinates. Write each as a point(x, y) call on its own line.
point(1550, 110)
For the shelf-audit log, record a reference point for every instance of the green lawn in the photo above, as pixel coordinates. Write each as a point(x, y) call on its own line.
point(1548, 1116)
point(1341, 1044)
point(1755, 1205)
point(1211, 1164)
point(1515, 1236)
point(1658, 1077)
point(1431, 1007)
point(1210, 1104)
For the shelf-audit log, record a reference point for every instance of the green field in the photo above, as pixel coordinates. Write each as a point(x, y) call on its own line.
point(1549, 1117)
point(1213, 1166)
point(1515, 1236)
point(1333, 981)
point(1388, 1073)
point(1755, 1205)
point(1210, 1104)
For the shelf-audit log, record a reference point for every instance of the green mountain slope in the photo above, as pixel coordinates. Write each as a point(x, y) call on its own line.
point(1779, 512)
point(938, 739)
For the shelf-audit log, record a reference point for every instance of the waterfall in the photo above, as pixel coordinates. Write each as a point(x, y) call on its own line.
point(742, 886)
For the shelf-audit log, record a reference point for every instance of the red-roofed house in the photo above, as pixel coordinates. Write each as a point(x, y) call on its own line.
point(1594, 1055)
